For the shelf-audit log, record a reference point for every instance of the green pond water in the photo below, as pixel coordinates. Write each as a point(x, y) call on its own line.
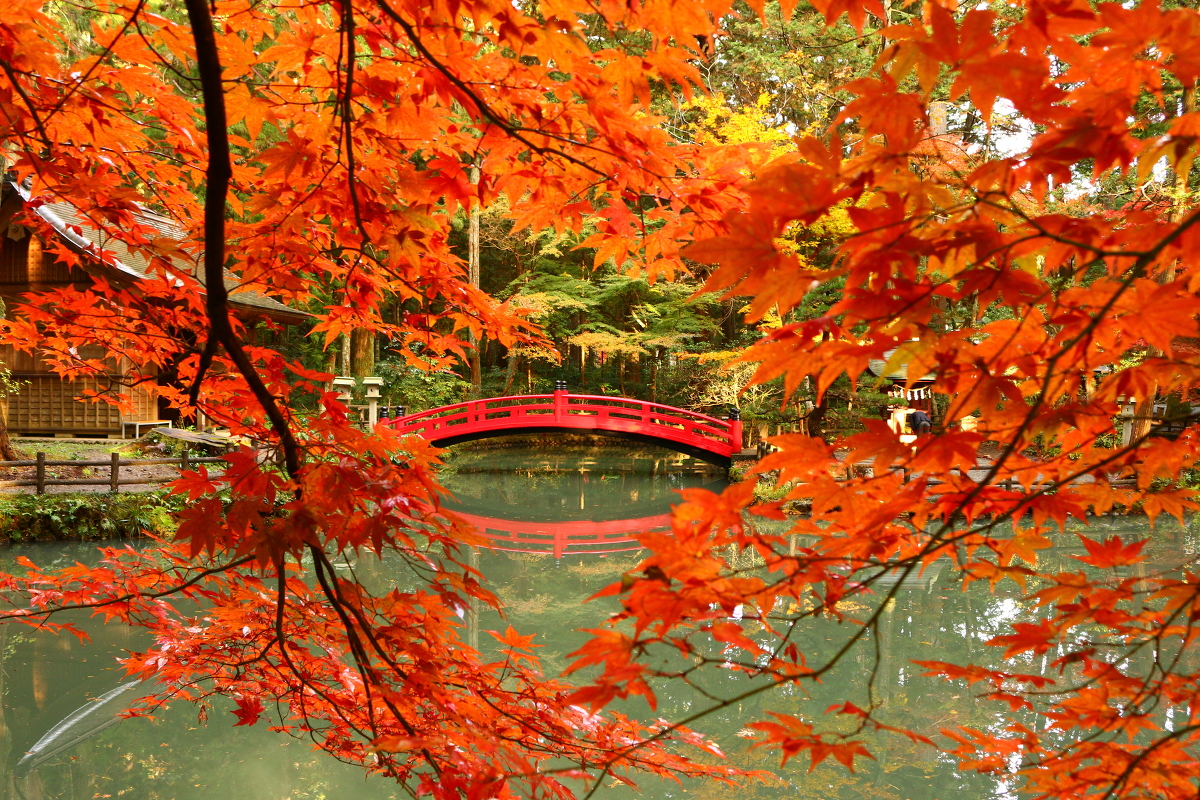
point(564, 523)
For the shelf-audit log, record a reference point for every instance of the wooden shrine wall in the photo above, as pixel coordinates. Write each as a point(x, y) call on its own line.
point(45, 403)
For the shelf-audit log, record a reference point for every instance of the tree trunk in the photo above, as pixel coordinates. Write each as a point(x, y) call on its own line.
point(729, 320)
point(654, 378)
point(510, 371)
point(816, 419)
point(6, 449)
point(362, 353)
point(473, 279)
point(1144, 410)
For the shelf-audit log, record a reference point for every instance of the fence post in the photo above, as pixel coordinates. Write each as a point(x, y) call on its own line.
point(114, 474)
point(41, 473)
point(183, 461)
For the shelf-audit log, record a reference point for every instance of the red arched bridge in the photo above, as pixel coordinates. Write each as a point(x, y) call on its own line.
point(708, 438)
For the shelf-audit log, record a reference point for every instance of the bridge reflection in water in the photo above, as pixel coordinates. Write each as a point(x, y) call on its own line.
point(571, 505)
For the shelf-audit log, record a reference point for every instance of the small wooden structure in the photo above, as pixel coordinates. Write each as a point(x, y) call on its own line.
point(47, 404)
point(918, 396)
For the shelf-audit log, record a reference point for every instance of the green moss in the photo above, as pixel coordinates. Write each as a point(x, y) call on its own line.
point(62, 517)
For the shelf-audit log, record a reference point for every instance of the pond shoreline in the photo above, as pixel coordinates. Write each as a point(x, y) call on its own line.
point(87, 516)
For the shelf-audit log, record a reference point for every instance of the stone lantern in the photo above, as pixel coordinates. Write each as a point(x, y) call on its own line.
point(372, 385)
point(346, 384)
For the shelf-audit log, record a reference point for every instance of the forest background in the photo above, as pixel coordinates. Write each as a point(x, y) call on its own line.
point(611, 331)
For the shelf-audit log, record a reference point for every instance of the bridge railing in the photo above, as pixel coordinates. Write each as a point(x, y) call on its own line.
point(569, 410)
point(566, 538)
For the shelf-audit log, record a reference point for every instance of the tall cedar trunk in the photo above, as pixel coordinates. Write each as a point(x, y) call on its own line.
point(362, 352)
point(344, 364)
point(816, 417)
point(473, 278)
point(6, 450)
point(510, 371)
point(729, 319)
point(654, 379)
point(331, 364)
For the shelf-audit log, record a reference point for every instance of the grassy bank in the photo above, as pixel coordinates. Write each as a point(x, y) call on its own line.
point(84, 517)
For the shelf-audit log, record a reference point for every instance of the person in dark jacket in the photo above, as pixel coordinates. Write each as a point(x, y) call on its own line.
point(919, 422)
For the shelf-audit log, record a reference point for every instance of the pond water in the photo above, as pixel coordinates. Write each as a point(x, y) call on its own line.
point(562, 528)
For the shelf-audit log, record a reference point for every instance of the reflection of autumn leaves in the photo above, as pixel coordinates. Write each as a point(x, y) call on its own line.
point(526, 606)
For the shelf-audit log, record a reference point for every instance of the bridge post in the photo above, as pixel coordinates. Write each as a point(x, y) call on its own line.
point(735, 428)
point(560, 400)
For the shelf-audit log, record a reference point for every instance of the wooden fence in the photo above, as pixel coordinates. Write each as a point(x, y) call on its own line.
point(114, 480)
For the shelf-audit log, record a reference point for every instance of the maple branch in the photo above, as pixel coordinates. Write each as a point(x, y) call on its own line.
point(904, 568)
point(1144, 258)
point(1136, 270)
point(1129, 768)
point(815, 674)
point(303, 675)
point(104, 53)
point(1129, 652)
point(346, 102)
point(348, 118)
point(361, 656)
point(37, 120)
point(206, 359)
point(162, 60)
point(217, 178)
point(277, 638)
point(490, 115)
point(135, 595)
